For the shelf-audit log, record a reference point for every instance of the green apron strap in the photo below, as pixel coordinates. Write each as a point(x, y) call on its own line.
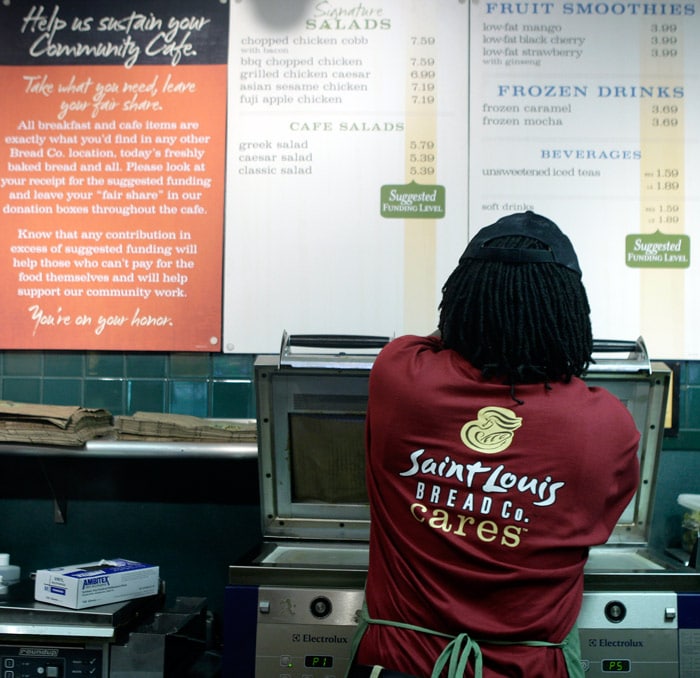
point(461, 647)
point(458, 652)
point(571, 647)
point(362, 624)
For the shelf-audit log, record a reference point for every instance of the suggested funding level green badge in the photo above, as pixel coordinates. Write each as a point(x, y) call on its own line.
point(412, 201)
point(657, 250)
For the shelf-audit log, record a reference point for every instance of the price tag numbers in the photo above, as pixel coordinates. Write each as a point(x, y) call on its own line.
point(616, 666)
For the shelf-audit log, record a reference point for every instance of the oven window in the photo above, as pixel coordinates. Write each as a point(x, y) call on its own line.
point(327, 457)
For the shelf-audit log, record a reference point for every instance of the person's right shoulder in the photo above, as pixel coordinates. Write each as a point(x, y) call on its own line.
point(409, 344)
point(609, 408)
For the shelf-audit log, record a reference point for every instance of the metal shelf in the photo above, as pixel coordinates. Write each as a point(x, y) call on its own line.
point(135, 449)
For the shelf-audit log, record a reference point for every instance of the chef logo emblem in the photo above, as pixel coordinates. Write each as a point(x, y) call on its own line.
point(492, 431)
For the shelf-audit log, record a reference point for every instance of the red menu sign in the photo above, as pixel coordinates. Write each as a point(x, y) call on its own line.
point(112, 154)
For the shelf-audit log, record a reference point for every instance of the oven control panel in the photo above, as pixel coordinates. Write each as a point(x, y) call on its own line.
point(281, 632)
point(629, 633)
point(297, 632)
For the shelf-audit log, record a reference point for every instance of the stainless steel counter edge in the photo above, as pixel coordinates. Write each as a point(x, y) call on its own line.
point(135, 449)
point(337, 577)
point(682, 581)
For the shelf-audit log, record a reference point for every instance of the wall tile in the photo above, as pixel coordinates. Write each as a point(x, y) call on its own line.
point(190, 365)
point(146, 395)
point(106, 393)
point(233, 366)
point(189, 397)
point(64, 364)
point(146, 365)
point(692, 407)
point(22, 363)
point(232, 400)
point(63, 392)
point(105, 364)
point(25, 390)
point(691, 370)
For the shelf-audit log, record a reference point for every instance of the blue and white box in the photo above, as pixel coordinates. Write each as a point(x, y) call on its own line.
point(98, 583)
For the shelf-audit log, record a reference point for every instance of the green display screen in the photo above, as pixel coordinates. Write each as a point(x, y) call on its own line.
point(318, 661)
point(616, 665)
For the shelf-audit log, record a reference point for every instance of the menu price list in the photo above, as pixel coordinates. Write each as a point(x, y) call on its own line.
point(580, 111)
point(331, 103)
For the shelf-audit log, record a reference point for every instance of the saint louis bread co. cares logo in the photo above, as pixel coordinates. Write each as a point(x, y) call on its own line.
point(492, 431)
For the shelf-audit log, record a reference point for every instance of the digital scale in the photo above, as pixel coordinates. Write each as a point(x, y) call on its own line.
point(39, 640)
point(132, 639)
point(290, 610)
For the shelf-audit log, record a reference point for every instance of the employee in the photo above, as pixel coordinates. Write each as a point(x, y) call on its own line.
point(492, 468)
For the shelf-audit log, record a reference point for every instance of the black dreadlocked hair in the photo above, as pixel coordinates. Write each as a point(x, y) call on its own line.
point(525, 322)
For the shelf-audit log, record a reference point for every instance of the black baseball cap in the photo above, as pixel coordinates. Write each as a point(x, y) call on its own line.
point(559, 248)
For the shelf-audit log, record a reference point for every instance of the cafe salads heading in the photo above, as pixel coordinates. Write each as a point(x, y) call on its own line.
point(328, 16)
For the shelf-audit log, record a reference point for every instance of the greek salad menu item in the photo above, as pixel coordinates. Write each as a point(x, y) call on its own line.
point(347, 175)
point(112, 174)
point(584, 112)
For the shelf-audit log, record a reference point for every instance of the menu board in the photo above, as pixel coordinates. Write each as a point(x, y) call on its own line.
point(347, 175)
point(112, 174)
point(588, 113)
point(582, 112)
point(206, 175)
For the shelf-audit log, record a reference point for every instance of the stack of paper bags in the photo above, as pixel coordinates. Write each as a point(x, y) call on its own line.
point(182, 427)
point(51, 424)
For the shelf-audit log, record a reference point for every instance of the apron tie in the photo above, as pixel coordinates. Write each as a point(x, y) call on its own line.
point(461, 647)
point(458, 651)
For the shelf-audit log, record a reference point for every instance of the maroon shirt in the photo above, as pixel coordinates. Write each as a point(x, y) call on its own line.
point(483, 509)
